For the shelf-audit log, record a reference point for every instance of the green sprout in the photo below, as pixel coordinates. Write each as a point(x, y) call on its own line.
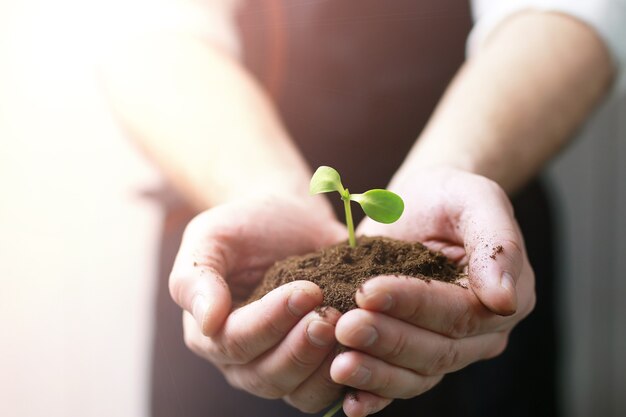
point(380, 205)
point(335, 408)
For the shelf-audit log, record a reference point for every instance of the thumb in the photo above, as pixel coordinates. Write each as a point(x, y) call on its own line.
point(197, 282)
point(494, 245)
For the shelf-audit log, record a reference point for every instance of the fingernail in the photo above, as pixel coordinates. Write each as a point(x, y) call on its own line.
point(320, 333)
point(300, 303)
point(360, 376)
point(199, 308)
point(506, 282)
point(364, 336)
point(385, 302)
point(380, 301)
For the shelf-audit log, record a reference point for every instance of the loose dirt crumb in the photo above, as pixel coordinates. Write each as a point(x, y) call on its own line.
point(353, 395)
point(497, 250)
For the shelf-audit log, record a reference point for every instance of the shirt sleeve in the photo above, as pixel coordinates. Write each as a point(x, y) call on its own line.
point(606, 17)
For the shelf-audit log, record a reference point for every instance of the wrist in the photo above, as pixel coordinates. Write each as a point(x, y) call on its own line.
point(481, 152)
point(432, 155)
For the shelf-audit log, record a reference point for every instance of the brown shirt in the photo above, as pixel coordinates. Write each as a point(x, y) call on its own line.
point(355, 80)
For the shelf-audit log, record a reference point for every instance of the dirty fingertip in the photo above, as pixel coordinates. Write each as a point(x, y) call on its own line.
point(361, 403)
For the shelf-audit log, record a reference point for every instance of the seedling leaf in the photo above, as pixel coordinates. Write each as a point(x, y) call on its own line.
point(380, 205)
point(325, 180)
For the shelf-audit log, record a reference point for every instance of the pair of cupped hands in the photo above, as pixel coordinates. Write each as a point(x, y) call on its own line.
point(405, 335)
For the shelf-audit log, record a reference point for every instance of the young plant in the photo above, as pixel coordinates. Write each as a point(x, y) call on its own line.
point(380, 205)
point(335, 408)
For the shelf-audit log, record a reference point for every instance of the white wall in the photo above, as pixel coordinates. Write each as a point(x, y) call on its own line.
point(77, 238)
point(590, 179)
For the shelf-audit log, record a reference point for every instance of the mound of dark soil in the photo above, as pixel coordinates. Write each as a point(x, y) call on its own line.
point(340, 270)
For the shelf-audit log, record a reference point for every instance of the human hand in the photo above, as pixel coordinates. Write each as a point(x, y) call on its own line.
point(407, 334)
point(276, 347)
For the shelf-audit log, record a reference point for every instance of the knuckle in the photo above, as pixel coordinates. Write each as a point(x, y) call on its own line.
point(274, 328)
point(499, 347)
point(399, 347)
point(385, 387)
point(231, 376)
point(234, 352)
point(314, 398)
point(415, 313)
point(262, 387)
point(306, 404)
point(412, 390)
point(407, 395)
point(512, 248)
point(444, 359)
point(328, 385)
point(426, 384)
point(299, 359)
point(464, 324)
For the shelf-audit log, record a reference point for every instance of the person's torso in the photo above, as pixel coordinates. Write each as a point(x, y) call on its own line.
point(355, 80)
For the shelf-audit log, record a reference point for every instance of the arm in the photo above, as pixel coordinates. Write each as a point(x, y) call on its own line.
point(518, 101)
point(196, 112)
point(510, 108)
point(514, 105)
point(201, 117)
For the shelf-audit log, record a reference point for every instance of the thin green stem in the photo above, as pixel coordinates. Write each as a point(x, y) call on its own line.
point(333, 411)
point(346, 203)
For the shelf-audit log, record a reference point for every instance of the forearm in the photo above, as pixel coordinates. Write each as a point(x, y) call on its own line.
point(518, 101)
point(203, 119)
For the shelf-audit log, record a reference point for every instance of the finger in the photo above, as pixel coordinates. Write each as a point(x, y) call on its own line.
point(197, 281)
point(194, 339)
point(404, 345)
point(317, 391)
point(366, 373)
point(447, 309)
point(363, 403)
point(281, 370)
point(257, 327)
point(495, 247)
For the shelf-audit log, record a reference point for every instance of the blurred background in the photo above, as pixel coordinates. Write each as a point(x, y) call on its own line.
point(79, 230)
